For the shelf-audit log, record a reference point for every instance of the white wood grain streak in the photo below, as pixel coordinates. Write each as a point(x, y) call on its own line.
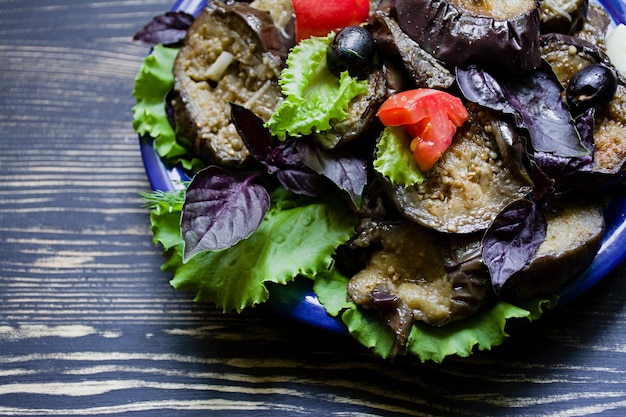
point(255, 380)
point(162, 406)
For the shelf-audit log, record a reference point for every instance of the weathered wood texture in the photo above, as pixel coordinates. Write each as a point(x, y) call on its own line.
point(90, 326)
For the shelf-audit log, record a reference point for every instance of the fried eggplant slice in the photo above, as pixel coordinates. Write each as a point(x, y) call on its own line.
point(595, 25)
point(567, 55)
point(573, 238)
point(360, 120)
point(469, 185)
point(232, 53)
point(463, 32)
point(413, 273)
point(392, 43)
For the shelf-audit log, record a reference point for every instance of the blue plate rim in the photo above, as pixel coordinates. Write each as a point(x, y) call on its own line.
point(298, 302)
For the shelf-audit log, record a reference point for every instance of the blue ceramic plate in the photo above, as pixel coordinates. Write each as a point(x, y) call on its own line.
point(297, 299)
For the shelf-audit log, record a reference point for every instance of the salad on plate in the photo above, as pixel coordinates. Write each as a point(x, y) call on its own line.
point(432, 171)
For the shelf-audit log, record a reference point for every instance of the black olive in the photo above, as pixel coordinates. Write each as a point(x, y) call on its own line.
point(592, 86)
point(352, 50)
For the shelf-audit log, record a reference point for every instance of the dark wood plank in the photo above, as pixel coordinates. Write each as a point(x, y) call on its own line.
point(90, 326)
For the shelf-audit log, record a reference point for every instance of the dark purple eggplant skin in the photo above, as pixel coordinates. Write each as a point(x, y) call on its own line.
point(573, 238)
point(460, 39)
point(394, 44)
point(595, 25)
point(609, 167)
point(204, 119)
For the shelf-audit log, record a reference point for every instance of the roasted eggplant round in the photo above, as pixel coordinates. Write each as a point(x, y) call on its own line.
point(232, 53)
point(469, 185)
point(413, 273)
point(567, 55)
point(499, 35)
point(595, 25)
point(360, 118)
point(393, 44)
point(573, 237)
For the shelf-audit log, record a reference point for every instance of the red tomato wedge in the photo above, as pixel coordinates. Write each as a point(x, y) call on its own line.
point(318, 18)
point(430, 116)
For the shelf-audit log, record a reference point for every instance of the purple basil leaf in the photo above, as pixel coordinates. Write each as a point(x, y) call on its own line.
point(585, 123)
point(535, 101)
point(280, 158)
point(257, 138)
point(292, 172)
point(302, 181)
point(220, 209)
point(263, 147)
point(285, 161)
point(286, 154)
point(543, 186)
point(480, 87)
point(512, 240)
point(169, 29)
point(565, 171)
point(348, 172)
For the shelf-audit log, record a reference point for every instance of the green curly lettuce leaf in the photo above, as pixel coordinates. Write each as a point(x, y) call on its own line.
point(482, 331)
point(297, 238)
point(313, 95)
point(394, 160)
point(153, 82)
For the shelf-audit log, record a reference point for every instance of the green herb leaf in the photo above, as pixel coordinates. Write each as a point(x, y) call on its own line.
point(313, 95)
point(154, 199)
point(297, 237)
point(394, 159)
point(154, 80)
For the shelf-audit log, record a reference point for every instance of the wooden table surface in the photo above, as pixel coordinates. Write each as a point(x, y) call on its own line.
point(89, 325)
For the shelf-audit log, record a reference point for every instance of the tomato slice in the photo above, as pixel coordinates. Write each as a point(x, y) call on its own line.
point(318, 18)
point(406, 108)
point(430, 116)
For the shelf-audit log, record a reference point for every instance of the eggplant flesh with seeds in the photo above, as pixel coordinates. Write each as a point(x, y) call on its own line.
point(595, 26)
point(573, 237)
point(499, 35)
point(393, 44)
point(469, 185)
point(567, 55)
point(414, 274)
point(562, 16)
point(360, 120)
point(232, 53)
